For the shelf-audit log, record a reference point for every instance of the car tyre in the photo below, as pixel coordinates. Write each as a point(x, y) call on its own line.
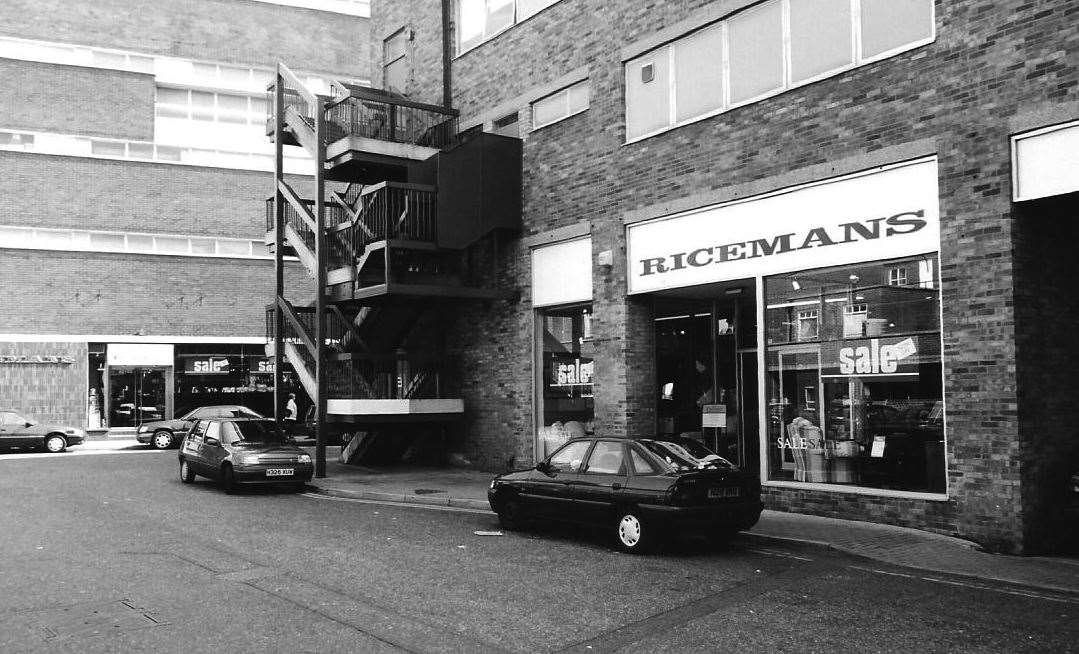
point(161, 440)
point(511, 515)
point(55, 443)
point(228, 479)
point(187, 475)
point(632, 533)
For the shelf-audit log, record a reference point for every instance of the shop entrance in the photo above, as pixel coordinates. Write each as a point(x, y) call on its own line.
point(706, 369)
point(137, 395)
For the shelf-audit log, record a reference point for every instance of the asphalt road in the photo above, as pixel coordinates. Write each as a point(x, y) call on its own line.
point(111, 553)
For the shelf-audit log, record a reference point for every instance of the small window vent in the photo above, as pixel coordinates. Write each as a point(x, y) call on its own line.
point(648, 72)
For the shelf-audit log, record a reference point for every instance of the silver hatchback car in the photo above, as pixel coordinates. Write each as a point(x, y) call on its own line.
point(236, 451)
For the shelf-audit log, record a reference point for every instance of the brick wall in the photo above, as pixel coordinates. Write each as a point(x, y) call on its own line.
point(92, 293)
point(46, 392)
point(88, 193)
point(75, 100)
point(424, 51)
point(237, 31)
point(990, 60)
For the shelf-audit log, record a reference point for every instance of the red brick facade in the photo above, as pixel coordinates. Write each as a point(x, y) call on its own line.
point(954, 97)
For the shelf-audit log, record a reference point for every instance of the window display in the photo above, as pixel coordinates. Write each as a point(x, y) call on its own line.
point(567, 369)
point(854, 378)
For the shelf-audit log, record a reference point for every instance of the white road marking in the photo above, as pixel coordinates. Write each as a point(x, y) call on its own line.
point(779, 554)
point(407, 505)
point(968, 584)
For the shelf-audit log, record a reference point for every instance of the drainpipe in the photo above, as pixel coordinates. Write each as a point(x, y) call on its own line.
point(447, 22)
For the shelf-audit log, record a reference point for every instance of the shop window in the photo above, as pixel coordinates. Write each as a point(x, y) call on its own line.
point(566, 406)
point(897, 276)
point(863, 405)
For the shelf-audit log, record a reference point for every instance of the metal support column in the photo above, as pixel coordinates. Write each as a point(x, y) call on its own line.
point(322, 263)
point(279, 245)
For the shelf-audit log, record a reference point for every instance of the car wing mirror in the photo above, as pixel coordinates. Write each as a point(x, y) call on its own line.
point(543, 467)
point(29, 424)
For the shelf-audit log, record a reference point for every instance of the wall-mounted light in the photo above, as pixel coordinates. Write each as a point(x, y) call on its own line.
point(795, 285)
point(605, 260)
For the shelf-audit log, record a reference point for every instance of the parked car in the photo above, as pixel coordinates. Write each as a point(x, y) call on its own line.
point(240, 450)
point(637, 489)
point(17, 431)
point(163, 434)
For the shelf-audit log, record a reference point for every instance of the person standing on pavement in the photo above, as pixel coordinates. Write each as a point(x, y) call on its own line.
point(291, 413)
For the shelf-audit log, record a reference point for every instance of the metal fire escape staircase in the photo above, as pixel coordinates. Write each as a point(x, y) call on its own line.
point(395, 208)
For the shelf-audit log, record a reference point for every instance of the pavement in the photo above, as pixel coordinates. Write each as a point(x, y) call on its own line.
point(899, 546)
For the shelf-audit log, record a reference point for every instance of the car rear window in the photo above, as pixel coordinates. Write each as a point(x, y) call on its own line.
point(670, 455)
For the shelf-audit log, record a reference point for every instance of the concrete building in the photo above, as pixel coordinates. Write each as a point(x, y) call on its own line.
point(134, 167)
point(830, 239)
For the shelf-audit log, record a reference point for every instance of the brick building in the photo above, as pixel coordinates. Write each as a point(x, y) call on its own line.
point(828, 238)
point(135, 170)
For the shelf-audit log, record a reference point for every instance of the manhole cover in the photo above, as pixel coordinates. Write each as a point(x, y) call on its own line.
point(88, 620)
point(427, 491)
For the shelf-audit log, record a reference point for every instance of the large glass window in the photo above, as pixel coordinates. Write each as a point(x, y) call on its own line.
point(479, 20)
point(395, 61)
point(854, 379)
point(567, 367)
point(763, 50)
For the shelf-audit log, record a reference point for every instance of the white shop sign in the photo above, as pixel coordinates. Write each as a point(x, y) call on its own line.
point(562, 273)
point(878, 214)
point(139, 354)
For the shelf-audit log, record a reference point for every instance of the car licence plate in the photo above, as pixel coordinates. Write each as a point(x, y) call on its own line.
point(279, 472)
point(720, 493)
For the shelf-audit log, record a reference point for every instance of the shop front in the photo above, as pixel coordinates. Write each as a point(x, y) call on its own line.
point(799, 332)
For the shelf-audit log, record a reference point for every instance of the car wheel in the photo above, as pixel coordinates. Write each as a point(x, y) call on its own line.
point(162, 440)
point(228, 479)
point(631, 532)
point(55, 443)
point(511, 516)
point(187, 475)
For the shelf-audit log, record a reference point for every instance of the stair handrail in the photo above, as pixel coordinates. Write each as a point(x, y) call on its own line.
point(289, 312)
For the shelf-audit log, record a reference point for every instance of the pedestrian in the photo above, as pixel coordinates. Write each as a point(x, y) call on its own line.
point(291, 412)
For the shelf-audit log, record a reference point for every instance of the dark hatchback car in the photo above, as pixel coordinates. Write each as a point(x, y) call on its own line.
point(17, 431)
point(636, 489)
point(163, 434)
point(236, 451)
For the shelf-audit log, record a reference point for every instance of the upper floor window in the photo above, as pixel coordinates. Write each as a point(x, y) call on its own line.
point(395, 60)
point(562, 104)
point(479, 20)
point(764, 50)
point(508, 125)
point(897, 276)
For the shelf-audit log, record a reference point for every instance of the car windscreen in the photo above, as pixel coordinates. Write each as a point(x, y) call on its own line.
point(259, 431)
point(675, 457)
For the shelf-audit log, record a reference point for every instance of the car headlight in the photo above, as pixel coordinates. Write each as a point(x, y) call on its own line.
point(492, 486)
point(303, 458)
point(249, 459)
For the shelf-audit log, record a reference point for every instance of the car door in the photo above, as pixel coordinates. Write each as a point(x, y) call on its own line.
point(599, 485)
point(16, 433)
point(192, 447)
point(548, 494)
point(8, 436)
point(213, 448)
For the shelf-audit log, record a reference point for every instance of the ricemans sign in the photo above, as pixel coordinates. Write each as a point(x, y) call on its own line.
point(873, 215)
